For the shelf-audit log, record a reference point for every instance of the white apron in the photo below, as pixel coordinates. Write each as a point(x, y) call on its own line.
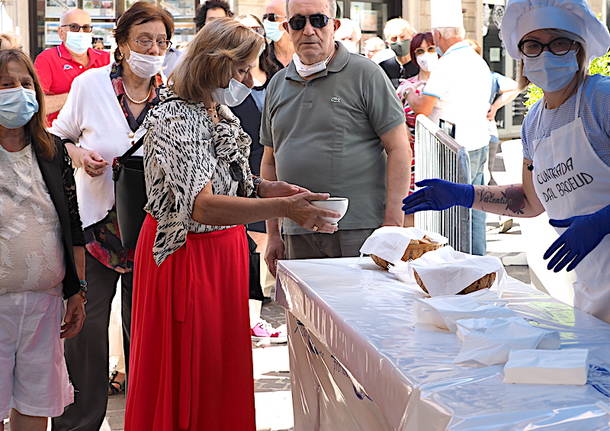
point(570, 179)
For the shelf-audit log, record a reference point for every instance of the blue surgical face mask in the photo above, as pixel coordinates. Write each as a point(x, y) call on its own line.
point(273, 31)
point(17, 107)
point(233, 95)
point(549, 71)
point(78, 42)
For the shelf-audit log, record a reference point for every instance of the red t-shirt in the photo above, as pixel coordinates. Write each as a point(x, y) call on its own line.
point(56, 70)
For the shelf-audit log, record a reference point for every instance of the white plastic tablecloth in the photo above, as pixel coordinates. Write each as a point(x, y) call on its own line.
point(365, 318)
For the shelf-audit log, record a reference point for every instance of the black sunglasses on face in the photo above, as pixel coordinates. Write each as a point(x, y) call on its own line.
point(317, 20)
point(76, 27)
point(273, 17)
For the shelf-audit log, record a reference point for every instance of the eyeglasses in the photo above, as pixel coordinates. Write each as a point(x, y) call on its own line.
point(273, 17)
point(317, 20)
point(148, 43)
point(87, 28)
point(532, 48)
point(430, 49)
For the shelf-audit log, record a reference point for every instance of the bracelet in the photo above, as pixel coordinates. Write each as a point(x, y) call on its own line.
point(83, 290)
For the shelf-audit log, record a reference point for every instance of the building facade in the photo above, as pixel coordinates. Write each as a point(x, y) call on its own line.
point(35, 22)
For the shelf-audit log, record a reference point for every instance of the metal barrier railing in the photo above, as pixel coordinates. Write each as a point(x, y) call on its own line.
point(438, 155)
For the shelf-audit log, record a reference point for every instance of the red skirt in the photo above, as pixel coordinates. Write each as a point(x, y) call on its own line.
point(191, 358)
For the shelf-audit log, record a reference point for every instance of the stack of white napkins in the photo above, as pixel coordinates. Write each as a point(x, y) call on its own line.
point(547, 367)
point(444, 311)
point(489, 341)
point(447, 271)
point(390, 242)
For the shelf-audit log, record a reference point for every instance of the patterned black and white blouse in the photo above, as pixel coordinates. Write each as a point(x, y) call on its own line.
point(183, 151)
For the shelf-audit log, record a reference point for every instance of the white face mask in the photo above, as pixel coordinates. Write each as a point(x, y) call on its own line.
point(273, 30)
point(233, 95)
point(78, 42)
point(17, 107)
point(145, 66)
point(427, 61)
point(549, 71)
point(305, 70)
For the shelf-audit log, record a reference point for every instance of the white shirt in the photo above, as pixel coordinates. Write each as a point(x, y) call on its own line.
point(31, 249)
point(462, 82)
point(93, 118)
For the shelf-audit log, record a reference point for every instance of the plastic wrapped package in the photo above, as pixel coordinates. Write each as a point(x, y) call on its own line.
point(362, 320)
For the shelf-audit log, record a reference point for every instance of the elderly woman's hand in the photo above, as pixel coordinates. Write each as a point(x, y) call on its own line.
point(93, 164)
point(309, 216)
point(278, 189)
point(74, 317)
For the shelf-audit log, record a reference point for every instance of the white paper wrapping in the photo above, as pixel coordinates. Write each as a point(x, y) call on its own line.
point(446, 271)
point(365, 319)
point(390, 242)
point(444, 312)
point(489, 341)
point(550, 367)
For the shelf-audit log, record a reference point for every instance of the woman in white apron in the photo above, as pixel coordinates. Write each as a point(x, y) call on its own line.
point(566, 145)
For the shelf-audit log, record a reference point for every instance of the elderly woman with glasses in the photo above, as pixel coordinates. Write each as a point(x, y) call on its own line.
point(100, 121)
point(566, 145)
point(191, 359)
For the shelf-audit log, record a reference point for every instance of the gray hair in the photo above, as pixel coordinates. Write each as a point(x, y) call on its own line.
point(64, 15)
point(451, 32)
point(332, 8)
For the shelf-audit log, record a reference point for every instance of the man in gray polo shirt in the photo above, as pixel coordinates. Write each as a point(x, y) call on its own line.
point(332, 123)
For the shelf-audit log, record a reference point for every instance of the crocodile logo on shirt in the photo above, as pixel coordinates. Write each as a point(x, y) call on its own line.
point(67, 67)
point(335, 99)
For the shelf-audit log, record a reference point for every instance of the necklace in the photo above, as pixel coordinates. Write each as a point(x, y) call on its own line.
point(137, 102)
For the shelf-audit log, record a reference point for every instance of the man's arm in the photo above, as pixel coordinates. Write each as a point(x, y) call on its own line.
point(421, 104)
point(54, 102)
point(396, 144)
point(275, 246)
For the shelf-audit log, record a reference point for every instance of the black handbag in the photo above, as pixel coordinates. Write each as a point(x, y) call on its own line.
point(129, 194)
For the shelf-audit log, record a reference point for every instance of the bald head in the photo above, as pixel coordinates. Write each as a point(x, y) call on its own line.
point(72, 16)
point(277, 7)
point(75, 16)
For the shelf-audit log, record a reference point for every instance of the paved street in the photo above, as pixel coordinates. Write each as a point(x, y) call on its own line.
point(271, 369)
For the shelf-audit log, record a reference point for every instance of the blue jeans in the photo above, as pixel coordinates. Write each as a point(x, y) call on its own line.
point(477, 166)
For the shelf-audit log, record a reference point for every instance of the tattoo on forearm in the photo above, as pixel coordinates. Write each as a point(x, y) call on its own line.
point(512, 198)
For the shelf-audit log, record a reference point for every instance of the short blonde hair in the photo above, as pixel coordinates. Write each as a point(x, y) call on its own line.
point(213, 56)
point(397, 26)
point(8, 41)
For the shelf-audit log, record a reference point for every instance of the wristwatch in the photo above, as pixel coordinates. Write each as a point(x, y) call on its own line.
point(257, 182)
point(83, 290)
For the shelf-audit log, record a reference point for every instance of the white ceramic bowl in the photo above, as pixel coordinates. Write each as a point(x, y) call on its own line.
point(338, 205)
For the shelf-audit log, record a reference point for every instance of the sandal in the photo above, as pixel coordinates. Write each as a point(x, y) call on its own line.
point(115, 387)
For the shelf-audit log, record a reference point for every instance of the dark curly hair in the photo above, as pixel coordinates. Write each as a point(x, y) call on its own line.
point(210, 4)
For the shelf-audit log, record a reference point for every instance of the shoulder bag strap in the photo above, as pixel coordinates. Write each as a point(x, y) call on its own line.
point(135, 147)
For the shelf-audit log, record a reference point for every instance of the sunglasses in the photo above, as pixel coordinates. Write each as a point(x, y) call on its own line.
point(76, 28)
point(273, 17)
point(317, 20)
point(430, 49)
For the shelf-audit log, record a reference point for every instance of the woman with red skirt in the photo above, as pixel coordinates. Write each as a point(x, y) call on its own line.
point(191, 360)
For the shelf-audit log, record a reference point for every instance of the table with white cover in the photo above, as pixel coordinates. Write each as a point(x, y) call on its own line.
point(359, 361)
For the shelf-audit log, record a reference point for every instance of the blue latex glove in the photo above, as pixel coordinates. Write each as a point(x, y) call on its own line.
point(582, 235)
point(438, 195)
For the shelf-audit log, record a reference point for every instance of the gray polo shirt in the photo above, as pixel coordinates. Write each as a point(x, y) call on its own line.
point(325, 134)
